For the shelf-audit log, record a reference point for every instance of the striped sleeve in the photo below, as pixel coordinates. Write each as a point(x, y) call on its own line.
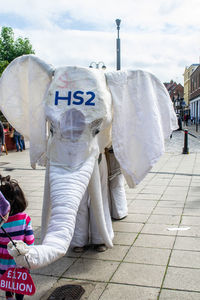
point(29, 236)
point(19, 228)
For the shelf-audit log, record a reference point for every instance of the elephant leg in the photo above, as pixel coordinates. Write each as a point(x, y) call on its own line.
point(81, 232)
point(119, 208)
point(46, 208)
point(96, 238)
point(117, 195)
point(96, 204)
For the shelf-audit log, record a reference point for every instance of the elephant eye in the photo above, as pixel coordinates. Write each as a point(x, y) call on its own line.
point(95, 126)
point(96, 131)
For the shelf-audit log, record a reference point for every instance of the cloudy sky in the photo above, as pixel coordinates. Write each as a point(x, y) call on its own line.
point(160, 36)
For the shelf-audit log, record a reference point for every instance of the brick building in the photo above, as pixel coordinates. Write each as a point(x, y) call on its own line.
point(194, 97)
point(176, 92)
point(187, 74)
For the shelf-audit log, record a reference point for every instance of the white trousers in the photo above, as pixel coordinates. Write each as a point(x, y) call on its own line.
point(117, 195)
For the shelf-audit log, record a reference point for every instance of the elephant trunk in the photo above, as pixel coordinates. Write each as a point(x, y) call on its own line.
point(67, 188)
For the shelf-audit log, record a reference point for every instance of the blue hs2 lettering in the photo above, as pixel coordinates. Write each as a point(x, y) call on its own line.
point(76, 98)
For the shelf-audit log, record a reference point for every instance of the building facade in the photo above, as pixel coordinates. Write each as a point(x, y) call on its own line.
point(194, 97)
point(187, 74)
point(176, 92)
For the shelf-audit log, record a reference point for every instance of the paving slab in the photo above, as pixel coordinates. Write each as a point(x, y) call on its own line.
point(135, 218)
point(156, 190)
point(168, 211)
point(174, 197)
point(163, 219)
point(151, 256)
point(147, 202)
point(160, 229)
point(147, 196)
point(139, 274)
point(190, 220)
point(187, 279)
point(192, 231)
point(92, 269)
point(119, 292)
point(116, 254)
point(187, 259)
point(57, 268)
point(178, 295)
point(124, 238)
point(127, 227)
point(187, 243)
point(140, 210)
point(191, 211)
point(155, 241)
point(171, 204)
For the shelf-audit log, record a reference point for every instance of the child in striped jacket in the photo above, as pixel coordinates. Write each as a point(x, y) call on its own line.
point(18, 225)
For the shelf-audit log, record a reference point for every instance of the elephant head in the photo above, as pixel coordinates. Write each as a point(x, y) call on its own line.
point(70, 115)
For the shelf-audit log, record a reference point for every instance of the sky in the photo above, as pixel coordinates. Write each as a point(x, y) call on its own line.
point(158, 36)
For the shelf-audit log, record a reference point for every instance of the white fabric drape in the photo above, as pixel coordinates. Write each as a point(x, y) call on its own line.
point(143, 118)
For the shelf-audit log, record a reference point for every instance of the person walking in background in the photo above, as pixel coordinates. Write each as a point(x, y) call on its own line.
point(2, 138)
point(17, 139)
point(23, 142)
point(18, 226)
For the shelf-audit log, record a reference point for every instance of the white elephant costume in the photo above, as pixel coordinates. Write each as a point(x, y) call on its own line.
point(86, 110)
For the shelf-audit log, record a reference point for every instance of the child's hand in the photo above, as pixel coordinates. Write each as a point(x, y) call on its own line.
point(20, 248)
point(6, 217)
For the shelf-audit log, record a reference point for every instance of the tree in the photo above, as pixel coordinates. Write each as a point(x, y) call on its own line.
point(10, 49)
point(3, 65)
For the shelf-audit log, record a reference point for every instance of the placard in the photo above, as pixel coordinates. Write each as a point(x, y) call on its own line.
point(17, 280)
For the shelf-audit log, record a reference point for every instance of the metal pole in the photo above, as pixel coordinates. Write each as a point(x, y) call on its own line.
point(197, 116)
point(118, 21)
point(185, 148)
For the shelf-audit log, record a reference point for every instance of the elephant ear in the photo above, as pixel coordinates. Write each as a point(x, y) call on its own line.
point(143, 117)
point(22, 88)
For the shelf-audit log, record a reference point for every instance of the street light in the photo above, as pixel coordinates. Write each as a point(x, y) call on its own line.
point(97, 65)
point(118, 21)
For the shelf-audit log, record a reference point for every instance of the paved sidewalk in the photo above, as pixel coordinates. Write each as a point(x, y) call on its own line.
point(193, 130)
point(151, 259)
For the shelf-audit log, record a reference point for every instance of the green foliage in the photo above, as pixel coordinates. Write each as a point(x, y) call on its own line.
point(11, 48)
point(3, 65)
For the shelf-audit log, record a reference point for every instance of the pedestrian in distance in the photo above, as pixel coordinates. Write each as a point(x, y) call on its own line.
point(23, 142)
point(18, 141)
point(18, 225)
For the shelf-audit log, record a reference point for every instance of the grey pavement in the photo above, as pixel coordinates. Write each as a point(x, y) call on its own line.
point(156, 253)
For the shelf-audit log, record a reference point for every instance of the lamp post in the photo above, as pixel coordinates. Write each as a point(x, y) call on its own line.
point(95, 65)
point(118, 21)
